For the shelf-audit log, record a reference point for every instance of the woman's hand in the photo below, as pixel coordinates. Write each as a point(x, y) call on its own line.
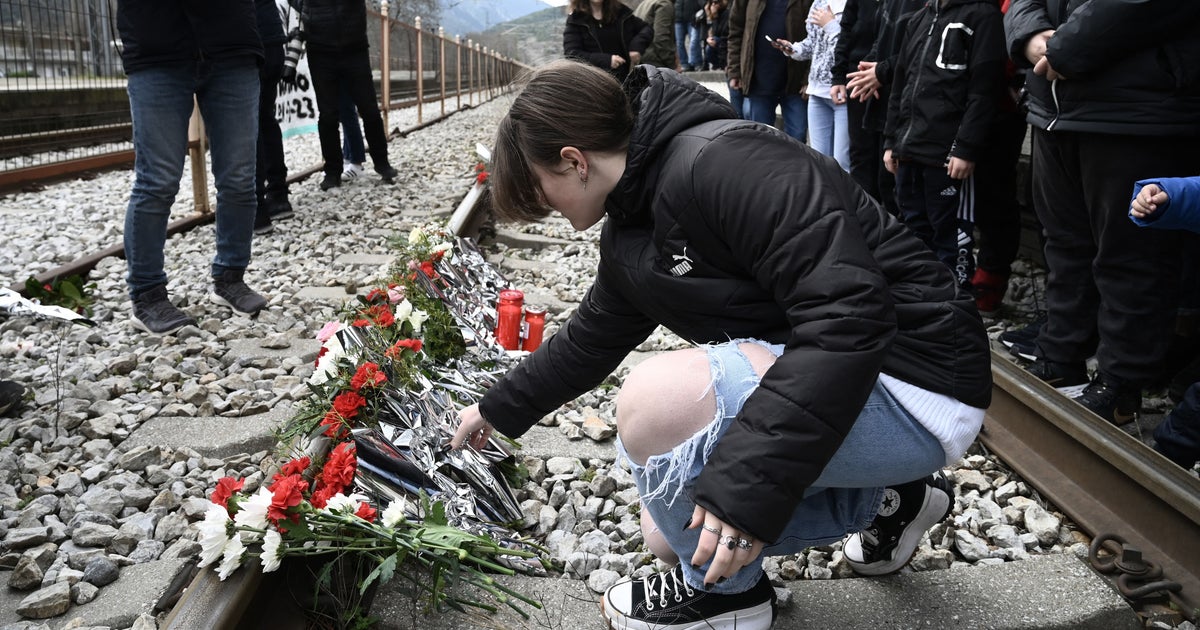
point(958, 168)
point(473, 429)
point(1035, 48)
point(783, 46)
point(616, 61)
point(635, 57)
point(729, 549)
point(821, 17)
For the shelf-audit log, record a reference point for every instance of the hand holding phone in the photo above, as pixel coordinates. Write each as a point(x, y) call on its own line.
point(779, 45)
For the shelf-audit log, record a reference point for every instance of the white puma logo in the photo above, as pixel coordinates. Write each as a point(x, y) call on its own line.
point(684, 263)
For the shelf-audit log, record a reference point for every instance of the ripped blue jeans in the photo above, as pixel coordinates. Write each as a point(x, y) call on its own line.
point(885, 447)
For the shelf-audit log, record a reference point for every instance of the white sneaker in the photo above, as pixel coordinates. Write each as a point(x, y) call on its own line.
point(351, 170)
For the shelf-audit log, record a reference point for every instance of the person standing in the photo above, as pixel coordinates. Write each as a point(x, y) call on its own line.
point(660, 15)
point(827, 131)
point(336, 32)
point(1108, 79)
point(270, 180)
point(178, 54)
point(605, 34)
point(687, 35)
point(766, 79)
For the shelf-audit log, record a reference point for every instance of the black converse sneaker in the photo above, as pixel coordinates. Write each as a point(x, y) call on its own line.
point(664, 601)
point(229, 290)
point(154, 313)
point(906, 513)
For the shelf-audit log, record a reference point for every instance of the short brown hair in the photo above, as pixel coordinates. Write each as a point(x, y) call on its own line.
point(564, 103)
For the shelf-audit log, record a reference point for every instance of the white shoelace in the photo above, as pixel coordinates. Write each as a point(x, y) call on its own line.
point(676, 579)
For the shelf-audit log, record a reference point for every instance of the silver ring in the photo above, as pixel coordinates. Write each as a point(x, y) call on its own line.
point(727, 542)
point(709, 528)
point(742, 543)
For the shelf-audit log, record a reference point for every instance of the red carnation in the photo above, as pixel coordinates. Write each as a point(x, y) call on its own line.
point(321, 496)
point(368, 375)
point(333, 424)
point(293, 467)
point(347, 404)
point(398, 348)
point(226, 486)
point(366, 512)
point(481, 177)
point(286, 493)
point(320, 353)
point(339, 469)
point(427, 269)
point(377, 294)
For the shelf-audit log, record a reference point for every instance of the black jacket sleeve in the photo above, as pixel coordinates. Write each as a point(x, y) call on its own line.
point(1097, 34)
point(602, 331)
point(799, 237)
point(841, 52)
point(643, 33)
point(898, 73)
point(985, 86)
point(1025, 18)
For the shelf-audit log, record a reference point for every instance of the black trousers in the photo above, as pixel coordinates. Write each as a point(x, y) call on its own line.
point(929, 207)
point(866, 158)
point(271, 169)
point(1111, 286)
point(997, 213)
point(329, 70)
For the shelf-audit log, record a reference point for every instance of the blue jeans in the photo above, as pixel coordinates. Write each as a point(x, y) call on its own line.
point(885, 447)
point(795, 112)
point(353, 149)
point(160, 101)
point(828, 132)
point(689, 54)
point(738, 101)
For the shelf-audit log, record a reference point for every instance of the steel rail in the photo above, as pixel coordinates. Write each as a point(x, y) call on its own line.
point(1099, 476)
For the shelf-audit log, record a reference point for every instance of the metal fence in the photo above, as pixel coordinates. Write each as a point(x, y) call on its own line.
point(64, 109)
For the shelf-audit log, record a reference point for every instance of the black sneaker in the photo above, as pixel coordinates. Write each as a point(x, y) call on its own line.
point(278, 206)
point(1111, 400)
point(663, 601)
point(388, 173)
point(11, 395)
point(331, 181)
point(1068, 378)
point(1021, 342)
point(154, 313)
point(906, 513)
point(262, 222)
point(229, 290)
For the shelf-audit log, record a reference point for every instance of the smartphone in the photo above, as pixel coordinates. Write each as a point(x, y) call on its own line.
point(786, 49)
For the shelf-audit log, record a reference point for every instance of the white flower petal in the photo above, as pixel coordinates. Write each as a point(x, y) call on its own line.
point(271, 555)
point(232, 558)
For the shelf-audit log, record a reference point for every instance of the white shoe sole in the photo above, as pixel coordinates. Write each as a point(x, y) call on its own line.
point(933, 510)
point(140, 325)
point(753, 618)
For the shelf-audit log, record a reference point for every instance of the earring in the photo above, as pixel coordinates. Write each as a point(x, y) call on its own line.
point(583, 178)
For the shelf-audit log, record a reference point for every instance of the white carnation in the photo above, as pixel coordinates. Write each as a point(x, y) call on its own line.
point(214, 533)
point(270, 551)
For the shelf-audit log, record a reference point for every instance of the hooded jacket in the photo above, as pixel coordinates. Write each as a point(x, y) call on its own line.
point(156, 33)
point(583, 41)
point(949, 78)
point(660, 15)
point(790, 252)
point(1132, 67)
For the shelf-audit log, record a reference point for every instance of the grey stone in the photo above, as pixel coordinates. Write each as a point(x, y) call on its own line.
point(182, 548)
point(600, 579)
point(564, 466)
point(83, 592)
point(137, 496)
point(69, 483)
point(146, 551)
point(103, 500)
point(101, 571)
point(970, 546)
point(26, 537)
point(140, 456)
point(26, 576)
point(47, 602)
point(1042, 524)
point(93, 535)
point(170, 527)
point(101, 427)
point(581, 564)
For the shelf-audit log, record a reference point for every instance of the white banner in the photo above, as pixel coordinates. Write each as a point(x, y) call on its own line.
point(295, 103)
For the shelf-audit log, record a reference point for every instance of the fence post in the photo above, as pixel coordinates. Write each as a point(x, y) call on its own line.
point(196, 151)
point(442, 64)
point(458, 71)
point(420, 72)
point(385, 66)
point(470, 74)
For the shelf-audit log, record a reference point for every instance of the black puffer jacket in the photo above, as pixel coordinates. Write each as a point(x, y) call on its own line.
point(583, 40)
point(791, 251)
point(1132, 67)
point(270, 24)
point(334, 25)
point(158, 33)
point(948, 80)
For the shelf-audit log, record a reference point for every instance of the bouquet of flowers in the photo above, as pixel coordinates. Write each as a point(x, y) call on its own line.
point(306, 511)
point(385, 390)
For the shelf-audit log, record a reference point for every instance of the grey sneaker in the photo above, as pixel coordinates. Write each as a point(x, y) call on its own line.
point(229, 290)
point(154, 313)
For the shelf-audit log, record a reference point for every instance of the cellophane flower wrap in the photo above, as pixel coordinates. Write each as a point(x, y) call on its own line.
point(390, 376)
